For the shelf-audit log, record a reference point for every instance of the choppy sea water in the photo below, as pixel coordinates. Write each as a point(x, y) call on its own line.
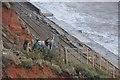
point(96, 20)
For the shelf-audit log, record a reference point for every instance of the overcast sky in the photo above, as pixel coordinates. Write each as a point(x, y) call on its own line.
point(61, 0)
point(74, 0)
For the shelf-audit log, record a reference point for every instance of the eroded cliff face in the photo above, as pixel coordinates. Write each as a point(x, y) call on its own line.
point(13, 29)
point(14, 32)
point(20, 64)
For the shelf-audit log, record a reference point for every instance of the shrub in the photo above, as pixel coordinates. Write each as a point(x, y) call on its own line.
point(8, 75)
point(21, 76)
point(36, 54)
point(90, 72)
point(102, 74)
point(48, 55)
point(86, 70)
point(27, 64)
point(44, 76)
point(39, 64)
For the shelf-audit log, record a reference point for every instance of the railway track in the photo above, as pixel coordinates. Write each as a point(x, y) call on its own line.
point(36, 26)
point(41, 28)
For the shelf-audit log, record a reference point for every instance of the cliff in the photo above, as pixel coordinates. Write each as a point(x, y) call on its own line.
point(25, 21)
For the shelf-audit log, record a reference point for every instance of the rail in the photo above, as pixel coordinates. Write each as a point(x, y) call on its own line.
point(91, 58)
point(87, 55)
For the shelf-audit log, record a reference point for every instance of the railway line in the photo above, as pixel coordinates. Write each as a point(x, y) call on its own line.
point(37, 28)
point(43, 29)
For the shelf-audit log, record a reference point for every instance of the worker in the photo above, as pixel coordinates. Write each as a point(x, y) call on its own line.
point(36, 45)
point(48, 43)
point(25, 44)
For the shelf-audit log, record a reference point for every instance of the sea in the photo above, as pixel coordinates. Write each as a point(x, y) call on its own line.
point(97, 21)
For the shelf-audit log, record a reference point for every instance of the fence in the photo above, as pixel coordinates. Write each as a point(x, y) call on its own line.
point(85, 55)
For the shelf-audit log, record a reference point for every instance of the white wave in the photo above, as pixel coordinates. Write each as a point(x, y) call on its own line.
point(98, 22)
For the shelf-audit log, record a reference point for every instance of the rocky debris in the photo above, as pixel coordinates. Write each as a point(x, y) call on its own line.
point(7, 5)
point(47, 63)
point(20, 55)
point(5, 63)
point(7, 35)
point(17, 52)
point(70, 71)
point(8, 54)
point(22, 23)
point(24, 26)
point(56, 68)
point(66, 72)
point(78, 72)
point(7, 45)
point(39, 17)
point(39, 63)
point(4, 34)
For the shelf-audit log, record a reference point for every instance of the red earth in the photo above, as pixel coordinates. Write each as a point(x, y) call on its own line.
point(10, 20)
point(0, 14)
point(35, 72)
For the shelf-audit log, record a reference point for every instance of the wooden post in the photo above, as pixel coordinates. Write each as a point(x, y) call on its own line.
point(107, 67)
point(66, 59)
point(100, 60)
point(52, 41)
point(79, 52)
point(81, 57)
point(60, 51)
point(93, 58)
point(64, 53)
point(87, 56)
point(113, 72)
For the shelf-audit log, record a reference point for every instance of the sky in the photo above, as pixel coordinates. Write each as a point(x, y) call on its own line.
point(74, 0)
point(60, 0)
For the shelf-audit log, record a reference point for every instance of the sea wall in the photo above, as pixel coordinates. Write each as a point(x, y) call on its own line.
point(104, 64)
point(33, 7)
